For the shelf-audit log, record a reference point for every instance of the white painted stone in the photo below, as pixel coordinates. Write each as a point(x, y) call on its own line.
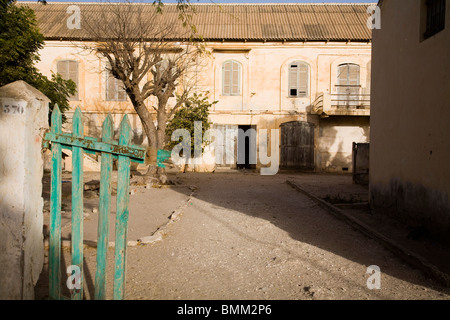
point(23, 119)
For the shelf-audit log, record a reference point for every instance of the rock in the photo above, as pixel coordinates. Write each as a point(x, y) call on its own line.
point(132, 243)
point(92, 185)
point(151, 239)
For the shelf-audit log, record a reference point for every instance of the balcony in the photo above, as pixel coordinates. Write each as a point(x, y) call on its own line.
point(327, 104)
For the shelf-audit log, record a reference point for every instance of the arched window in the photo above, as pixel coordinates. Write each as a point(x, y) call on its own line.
point(68, 69)
point(348, 84)
point(231, 78)
point(298, 79)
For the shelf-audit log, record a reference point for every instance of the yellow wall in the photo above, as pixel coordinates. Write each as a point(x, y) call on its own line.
point(410, 118)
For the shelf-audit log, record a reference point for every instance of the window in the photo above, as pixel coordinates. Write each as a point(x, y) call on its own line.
point(231, 78)
point(298, 79)
point(68, 69)
point(435, 17)
point(348, 85)
point(114, 89)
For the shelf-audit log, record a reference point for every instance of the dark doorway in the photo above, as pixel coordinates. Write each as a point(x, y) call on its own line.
point(297, 146)
point(246, 158)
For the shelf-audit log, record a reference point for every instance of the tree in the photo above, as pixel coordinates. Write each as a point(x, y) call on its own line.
point(20, 41)
point(139, 47)
point(194, 109)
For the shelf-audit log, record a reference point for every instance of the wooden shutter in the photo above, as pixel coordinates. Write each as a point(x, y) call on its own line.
point(68, 69)
point(235, 81)
point(231, 78)
point(227, 78)
point(298, 79)
point(293, 80)
point(353, 75)
point(111, 87)
point(303, 80)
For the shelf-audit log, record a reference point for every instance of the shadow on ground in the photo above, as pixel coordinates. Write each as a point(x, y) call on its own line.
point(262, 196)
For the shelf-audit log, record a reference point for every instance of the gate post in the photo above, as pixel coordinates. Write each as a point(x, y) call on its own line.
point(23, 115)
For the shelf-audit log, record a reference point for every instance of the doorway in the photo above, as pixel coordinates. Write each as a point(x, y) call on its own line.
point(246, 155)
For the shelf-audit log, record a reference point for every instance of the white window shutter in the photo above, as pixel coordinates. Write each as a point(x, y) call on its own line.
point(298, 79)
point(226, 78)
point(235, 90)
point(68, 69)
point(303, 80)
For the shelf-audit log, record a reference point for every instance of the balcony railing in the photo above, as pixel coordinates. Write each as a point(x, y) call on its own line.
point(327, 104)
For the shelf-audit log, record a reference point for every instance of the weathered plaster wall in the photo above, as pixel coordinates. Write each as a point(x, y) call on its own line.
point(264, 101)
point(21, 168)
point(410, 118)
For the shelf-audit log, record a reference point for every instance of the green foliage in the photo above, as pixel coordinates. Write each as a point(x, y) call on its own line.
point(20, 41)
point(196, 108)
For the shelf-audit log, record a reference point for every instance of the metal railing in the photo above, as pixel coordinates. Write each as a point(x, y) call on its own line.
point(326, 102)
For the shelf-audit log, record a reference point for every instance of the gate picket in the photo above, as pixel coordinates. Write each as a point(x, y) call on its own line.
point(123, 182)
point(54, 255)
point(103, 211)
point(77, 201)
point(124, 152)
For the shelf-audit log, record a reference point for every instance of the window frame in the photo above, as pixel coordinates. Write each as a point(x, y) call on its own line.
point(231, 83)
point(299, 63)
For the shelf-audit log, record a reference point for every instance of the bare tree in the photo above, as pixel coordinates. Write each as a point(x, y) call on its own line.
point(154, 54)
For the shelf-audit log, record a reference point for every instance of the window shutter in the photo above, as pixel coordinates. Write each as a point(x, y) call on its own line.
point(62, 69)
point(353, 74)
point(298, 79)
point(342, 75)
point(121, 93)
point(303, 80)
point(293, 80)
point(235, 90)
point(226, 79)
point(111, 92)
point(69, 70)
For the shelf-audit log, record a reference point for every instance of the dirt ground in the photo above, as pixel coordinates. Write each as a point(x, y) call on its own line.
point(244, 236)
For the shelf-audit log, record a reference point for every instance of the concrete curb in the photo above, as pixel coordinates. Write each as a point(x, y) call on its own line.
point(408, 256)
point(145, 240)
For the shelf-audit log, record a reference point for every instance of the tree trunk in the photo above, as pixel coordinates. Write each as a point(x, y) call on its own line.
point(156, 139)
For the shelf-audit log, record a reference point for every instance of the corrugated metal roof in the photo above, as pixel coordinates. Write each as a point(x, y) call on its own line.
point(225, 22)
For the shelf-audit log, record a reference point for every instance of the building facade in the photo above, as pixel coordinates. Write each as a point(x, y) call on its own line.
point(301, 69)
point(410, 119)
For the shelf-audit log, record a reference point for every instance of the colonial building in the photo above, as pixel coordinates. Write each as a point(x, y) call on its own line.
point(304, 69)
point(410, 121)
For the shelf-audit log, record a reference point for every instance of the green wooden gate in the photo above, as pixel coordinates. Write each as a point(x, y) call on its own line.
point(124, 152)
